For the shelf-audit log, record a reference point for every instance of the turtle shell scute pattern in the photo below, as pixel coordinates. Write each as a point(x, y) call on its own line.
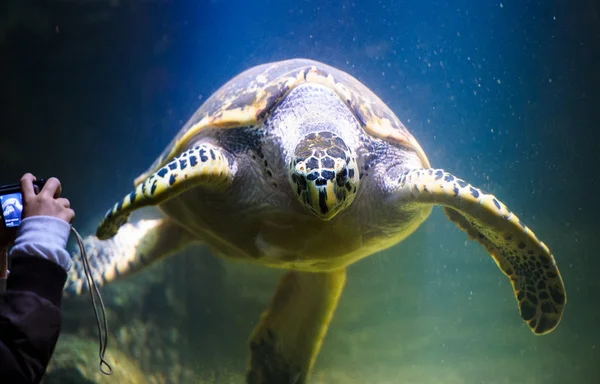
point(248, 98)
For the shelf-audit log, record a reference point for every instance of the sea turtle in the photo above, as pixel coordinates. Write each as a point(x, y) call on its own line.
point(297, 165)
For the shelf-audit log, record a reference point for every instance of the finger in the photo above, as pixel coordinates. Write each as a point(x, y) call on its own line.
point(69, 215)
point(58, 191)
point(64, 202)
point(27, 185)
point(52, 188)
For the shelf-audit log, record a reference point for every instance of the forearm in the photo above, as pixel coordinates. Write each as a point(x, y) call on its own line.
point(30, 315)
point(29, 330)
point(30, 318)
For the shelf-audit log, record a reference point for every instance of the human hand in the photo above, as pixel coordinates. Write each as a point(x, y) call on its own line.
point(47, 202)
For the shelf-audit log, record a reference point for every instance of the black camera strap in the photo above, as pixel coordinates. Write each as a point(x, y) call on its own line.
point(93, 289)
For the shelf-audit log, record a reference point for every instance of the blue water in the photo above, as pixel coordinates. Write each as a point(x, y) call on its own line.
point(501, 93)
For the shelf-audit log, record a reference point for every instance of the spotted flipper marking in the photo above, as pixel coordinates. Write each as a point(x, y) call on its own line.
point(204, 164)
point(527, 261)
point(135, 246)
point(288, 338)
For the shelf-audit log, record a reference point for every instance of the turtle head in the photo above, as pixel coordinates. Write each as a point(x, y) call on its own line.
point(324, 174)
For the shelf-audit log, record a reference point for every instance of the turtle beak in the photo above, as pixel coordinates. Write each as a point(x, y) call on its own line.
point(325, 192)
point(322, 197)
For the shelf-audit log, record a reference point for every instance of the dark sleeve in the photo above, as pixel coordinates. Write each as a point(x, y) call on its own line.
point(30, 318)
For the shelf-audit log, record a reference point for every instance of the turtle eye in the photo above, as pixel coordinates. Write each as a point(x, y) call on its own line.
point(301, 167)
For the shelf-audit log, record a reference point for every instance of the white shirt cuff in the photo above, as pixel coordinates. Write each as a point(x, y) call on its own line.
point(44, 236)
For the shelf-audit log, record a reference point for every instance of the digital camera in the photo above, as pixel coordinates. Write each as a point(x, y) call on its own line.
point(11, 199)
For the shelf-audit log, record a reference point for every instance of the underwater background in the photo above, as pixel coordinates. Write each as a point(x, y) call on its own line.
point(505, 94)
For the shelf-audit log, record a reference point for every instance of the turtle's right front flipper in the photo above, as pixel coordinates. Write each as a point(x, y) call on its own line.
point(135, 246)
point(205, 165)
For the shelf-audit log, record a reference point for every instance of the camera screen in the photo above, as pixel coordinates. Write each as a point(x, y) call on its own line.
point(12, 206)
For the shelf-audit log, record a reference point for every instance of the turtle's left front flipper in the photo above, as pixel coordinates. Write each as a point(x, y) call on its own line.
point(286, 342)
point(527, 261)
point(206, 165)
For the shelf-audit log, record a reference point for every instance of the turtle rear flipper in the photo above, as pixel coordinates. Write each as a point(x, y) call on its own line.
point(286, 342)
point(527, 261)
point(135, 246)
point(204, 165)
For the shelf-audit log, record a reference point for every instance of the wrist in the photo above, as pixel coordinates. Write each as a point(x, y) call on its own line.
point(44, 236)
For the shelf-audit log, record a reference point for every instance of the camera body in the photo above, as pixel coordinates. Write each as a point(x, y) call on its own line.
point(11, 199)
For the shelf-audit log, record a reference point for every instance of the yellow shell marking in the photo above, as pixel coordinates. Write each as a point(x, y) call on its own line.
point(375, 117)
